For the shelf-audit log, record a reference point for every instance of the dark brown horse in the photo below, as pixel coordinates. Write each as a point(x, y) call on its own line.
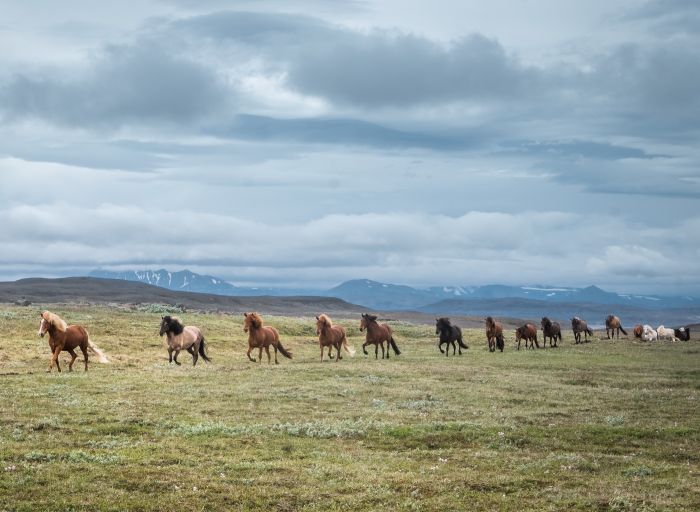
point(612, 325)
point(182, 337)
point(638, 331)
point(260, 336)
point(376, 335)
point(331, 336)
point(64, 337)
point(580, 326)
point(527, 332)
point(682, 333)
point(449, 334)
point(551, 330)
point(494, 334)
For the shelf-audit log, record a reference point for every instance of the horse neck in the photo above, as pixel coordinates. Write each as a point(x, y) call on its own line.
point(55, 334)
point(374, 328)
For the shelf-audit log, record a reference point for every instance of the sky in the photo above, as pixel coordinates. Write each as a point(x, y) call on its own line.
point(301, 143)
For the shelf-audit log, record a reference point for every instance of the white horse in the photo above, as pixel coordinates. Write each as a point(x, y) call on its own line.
point(666, 334)
point(649, 334)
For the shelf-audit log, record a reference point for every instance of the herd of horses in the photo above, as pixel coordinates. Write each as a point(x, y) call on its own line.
point(179, 337)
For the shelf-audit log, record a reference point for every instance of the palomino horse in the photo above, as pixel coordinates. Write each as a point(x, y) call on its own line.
point(612, 325)
point(494, 334)
point(376, 335)
point(182, 337)
point(638, 331)
point(682, 333)
point(261, 337)
point(580, 326)
point(449, 334)
point(527, 332)
point(67, 337)
point(331, 336)
point(551, 330)
point(666, 334)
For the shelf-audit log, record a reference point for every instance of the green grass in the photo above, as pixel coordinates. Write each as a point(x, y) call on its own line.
point(601, 426)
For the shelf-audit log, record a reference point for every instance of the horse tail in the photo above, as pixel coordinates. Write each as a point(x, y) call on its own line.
point(101, 357)
point(500, 344)
point(394, 346)
point(589, 332)
point(623, 331)
point(286, 353)
point(459, 339)
point(350, 350)
point(202, 353)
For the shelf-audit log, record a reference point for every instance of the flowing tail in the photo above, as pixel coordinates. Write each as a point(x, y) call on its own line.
point(623, 331)
point(461, 343)
point(394, 346)
point(286, 353)
point(589, 332)
point(350, 350)
point(101, 357)
point(500, 344)
point(201, 351)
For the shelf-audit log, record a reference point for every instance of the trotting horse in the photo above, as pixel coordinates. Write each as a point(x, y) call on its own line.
point(612, 324)
point(260, 336)
point(551, 330)
point(527, 332)
point(182, 337)
point(67, 337)
point(580, 326)
point(449, 334)
point(638, 331)
point(331, 336)
point(494, 334)
point(376, 335)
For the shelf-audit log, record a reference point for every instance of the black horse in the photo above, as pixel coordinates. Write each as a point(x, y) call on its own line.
point(551, 330)
point(449, 334)
point(682, 333)
point(580, 326)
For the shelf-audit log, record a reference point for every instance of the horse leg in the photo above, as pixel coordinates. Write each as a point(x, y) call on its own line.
point(440, 346)
point(195, 355)
point(322, 353)
point(85, 355)
point(175, 357)
point(275, 347)
point(248, 353)
point(267, 350)
point(73, 357)
point(387, 350)
point(376, 351)
point(363, 348)
point(338, 357)
point(454, 348)
point(170, 355)
point(260, 354)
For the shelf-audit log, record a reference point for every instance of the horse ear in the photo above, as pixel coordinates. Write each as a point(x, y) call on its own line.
point(317, 318)
point(245, 315)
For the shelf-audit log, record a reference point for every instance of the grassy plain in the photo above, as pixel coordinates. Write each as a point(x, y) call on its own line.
point(603, 426)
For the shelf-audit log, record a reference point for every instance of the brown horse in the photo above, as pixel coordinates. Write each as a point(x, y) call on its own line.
point(527, 332)
point(638, 331)
point(67, 337)
point(331, 336)
point(376, 335)
point(580, 326)
point(181, 337)
point(612, 324)
point(494, 334)
point(551, 330)
point(260, 336)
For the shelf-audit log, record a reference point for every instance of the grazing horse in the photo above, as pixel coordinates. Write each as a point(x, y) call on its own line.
point(494, 334)
point(527, 332)
point(376, 335)
point(666, 334)
point(331, 336)
point(67, 337)
point(682, 333)
point(551, 330)
point(449, 334)
point(612, 324)
point(260, 336)
point(649, 333)
point(580, 326)
point(638, 331)
point(182, 337)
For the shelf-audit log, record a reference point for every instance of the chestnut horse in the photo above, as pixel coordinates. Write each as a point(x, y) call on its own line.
point(494, 334)
point(527, 332)
point(551, 330)
point(260, 337)
point(181, 337)
point(67, 337)
point(580, 326)
point(449, 334)
point(638, 331)
point(376, 335)
point(612, 324)
point(331, 336)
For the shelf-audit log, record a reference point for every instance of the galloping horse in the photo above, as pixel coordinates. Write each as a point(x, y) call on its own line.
point(260, 337)
point(666, 334)
point(638, 331)
point(182, 337)
point(682, 333)
point(494, 334)
point(376, 335)
point(580, 326)
point(331, 336)
point(551, 330)
point(612, 324)
point(449, 334)
point(67, 337)
point(527, 332)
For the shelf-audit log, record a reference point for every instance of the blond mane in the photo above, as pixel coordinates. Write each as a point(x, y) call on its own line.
point(253, 320)
point(55, 320)
point(322, 320)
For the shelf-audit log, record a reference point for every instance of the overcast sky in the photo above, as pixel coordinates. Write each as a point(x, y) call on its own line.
point(306, 142)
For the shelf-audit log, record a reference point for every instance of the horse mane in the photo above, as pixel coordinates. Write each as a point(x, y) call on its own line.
point(255, 319)
point(55, 320)
point(489, 321)
point(371, 318)
point(174, 324)
point(546, 321)
point(443, 320)
point(324, 319)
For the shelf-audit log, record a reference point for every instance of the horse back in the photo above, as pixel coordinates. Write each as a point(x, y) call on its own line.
point(271, 334)
point(76, 336)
